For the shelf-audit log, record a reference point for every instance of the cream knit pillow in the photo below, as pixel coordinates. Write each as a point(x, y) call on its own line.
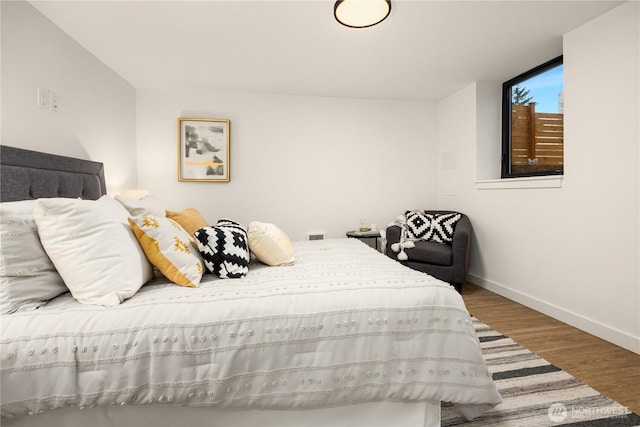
point(269, 244)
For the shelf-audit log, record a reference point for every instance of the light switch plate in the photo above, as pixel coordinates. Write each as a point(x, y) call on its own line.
point(41, 97)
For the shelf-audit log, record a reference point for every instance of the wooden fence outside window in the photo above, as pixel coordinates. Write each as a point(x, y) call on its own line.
point(537, 139)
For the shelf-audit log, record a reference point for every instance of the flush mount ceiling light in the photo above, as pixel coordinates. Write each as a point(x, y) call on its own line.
point(361, 13)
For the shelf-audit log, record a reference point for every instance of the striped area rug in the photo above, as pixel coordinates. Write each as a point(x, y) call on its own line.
point(536, 393)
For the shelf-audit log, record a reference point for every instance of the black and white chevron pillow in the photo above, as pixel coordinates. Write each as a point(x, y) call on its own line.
point(224, 248)
point(431, 227)
point(443, 226)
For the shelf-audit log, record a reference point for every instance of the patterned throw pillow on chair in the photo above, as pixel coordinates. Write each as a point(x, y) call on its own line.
point(224, 249)
point(443, 226)
point(431, 227)
point(418, 225)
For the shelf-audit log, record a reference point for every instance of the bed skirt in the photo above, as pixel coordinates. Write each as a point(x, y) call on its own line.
point(373, 414)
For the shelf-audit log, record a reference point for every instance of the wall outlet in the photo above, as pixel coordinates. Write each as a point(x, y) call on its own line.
point(53, 102)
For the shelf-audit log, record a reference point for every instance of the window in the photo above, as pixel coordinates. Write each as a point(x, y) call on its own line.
point(533, 122)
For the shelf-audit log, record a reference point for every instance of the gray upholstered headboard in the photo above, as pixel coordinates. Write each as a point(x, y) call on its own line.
point(26, 174)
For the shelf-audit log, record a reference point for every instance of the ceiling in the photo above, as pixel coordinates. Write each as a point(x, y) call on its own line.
point(425, 50)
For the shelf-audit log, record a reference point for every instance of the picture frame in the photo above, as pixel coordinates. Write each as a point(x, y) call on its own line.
point(204, 150)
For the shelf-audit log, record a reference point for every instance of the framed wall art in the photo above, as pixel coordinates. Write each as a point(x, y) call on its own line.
point(203, 150)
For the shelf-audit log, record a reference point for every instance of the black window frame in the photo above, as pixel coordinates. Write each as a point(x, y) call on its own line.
point(506, 119)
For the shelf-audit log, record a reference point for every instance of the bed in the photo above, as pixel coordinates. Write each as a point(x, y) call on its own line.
point(345, 336)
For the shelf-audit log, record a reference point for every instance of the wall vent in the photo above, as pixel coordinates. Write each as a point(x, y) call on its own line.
point(315, 235)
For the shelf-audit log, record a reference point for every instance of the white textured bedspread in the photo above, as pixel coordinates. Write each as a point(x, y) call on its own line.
point(345, 324)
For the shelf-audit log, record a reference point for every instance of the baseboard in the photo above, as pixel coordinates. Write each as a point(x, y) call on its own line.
point(591, 326)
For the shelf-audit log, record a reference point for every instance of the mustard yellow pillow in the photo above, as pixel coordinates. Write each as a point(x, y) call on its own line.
point(190, 219)
point(169, 248)
point(269, 244)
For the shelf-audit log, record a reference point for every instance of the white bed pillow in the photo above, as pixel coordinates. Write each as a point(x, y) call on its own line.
point(148, 205)
point(28, 278)
point(270, 245)
point(93, 248)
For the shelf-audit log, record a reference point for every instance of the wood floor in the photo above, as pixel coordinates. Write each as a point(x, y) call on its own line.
point(611, 370)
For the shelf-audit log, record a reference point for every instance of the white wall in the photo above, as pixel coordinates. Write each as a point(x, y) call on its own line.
point(572, 252)
point(303, 163)
point(96, 117)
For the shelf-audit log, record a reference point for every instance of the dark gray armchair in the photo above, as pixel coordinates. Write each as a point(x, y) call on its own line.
point(448, 263)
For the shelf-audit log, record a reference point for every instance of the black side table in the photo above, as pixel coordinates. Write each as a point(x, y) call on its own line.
point(363, 235)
